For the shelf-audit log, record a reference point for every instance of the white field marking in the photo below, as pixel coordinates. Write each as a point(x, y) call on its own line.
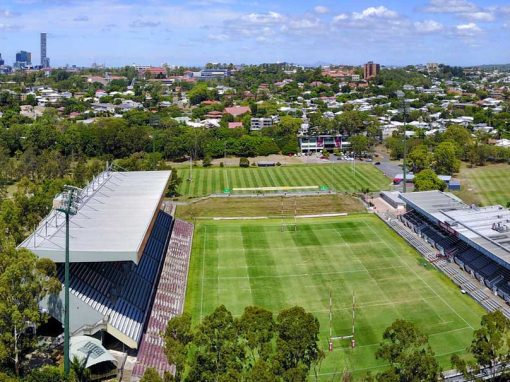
point(370, 305)
point(203, 270)
point(363, 265)
point(296, 274)
point(378, 366)
point(417, 275)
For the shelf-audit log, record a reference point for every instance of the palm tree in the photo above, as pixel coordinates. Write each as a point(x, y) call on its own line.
point(80, 370)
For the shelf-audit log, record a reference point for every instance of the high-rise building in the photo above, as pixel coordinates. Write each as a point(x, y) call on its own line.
point(23, 57)
point(371, 70)
point(1, 60)
point(45, 61)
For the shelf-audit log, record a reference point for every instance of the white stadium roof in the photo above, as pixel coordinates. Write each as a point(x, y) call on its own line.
point(116, 212)
point(485, 228)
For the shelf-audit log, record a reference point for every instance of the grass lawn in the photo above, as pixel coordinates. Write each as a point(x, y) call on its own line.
point(486, 185)
point(339, 177)
point(269, 206)
point(239, 263)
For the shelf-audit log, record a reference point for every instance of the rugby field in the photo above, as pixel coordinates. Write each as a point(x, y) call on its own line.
point(486, 185)
point(252, 262)
point(338, 177)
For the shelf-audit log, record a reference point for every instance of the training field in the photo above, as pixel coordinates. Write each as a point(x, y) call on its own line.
point(252, 262)
point(338, 177)
point(486, 185)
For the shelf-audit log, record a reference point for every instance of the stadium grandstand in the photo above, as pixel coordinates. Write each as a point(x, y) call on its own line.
point(477, 239)
point(128, 264)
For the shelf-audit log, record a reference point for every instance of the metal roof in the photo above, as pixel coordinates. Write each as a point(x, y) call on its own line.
point(91, 350)
point(115, 214)
point(485, 228)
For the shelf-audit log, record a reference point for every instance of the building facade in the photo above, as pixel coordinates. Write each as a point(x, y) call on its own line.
point(2, 62)
point(371, 70)
point(24, 58)
point(45, 61)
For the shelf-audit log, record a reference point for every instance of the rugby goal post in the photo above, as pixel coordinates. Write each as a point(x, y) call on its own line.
point(351, 336)
point(288, 214)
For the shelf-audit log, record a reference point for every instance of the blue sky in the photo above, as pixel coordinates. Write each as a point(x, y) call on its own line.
point(193, 32)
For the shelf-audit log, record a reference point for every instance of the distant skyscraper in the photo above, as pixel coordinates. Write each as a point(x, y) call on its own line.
point(371, 70)
point(24, 57)
point(45, 61)
point(1, 60)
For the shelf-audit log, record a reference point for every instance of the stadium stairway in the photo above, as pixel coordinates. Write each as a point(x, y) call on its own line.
point(168, 301)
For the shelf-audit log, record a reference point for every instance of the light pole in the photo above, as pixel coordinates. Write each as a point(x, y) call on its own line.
point(67, 203)
point(401, 95)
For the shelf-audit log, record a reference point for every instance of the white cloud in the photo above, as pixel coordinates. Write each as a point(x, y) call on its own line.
point(450, 6)
point(372, 18)
point(321, 9)
point(468, 29)
point(461, 8)
point(264, 18)
point(480, 16)
point(144, 24)
point(375, 12)
point(428, 26)
point(218, 37)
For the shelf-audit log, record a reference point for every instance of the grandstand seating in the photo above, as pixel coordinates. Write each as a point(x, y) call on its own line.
point(487, 271)
point(168, 300)
point(122, 291)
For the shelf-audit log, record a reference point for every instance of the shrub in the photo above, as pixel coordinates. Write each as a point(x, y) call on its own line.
point(244, 162)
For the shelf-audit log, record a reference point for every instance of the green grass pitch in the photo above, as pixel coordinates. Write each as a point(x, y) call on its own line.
point(339, 177)
point(487, 185)
point(252, 262)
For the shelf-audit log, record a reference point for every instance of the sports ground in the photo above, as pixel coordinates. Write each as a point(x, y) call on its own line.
point(254, 262)
point(486, 185)
point(338, 177)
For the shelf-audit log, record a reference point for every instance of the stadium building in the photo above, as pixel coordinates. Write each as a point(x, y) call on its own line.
point(475, 238)
point(129, 261)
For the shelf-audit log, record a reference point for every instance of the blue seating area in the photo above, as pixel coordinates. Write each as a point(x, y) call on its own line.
point(123, 290)
point(487, 271)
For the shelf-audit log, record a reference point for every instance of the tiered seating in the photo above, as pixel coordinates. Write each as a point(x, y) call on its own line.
point(412, 220)
point(122, 290)
point(168, 301)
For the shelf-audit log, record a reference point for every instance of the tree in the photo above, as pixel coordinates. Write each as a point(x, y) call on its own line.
point(24, 281)
point(489, 347)
point(409, 354)
point(257, 327)
point(151, 375)
point(420, 158)
point(427, 180)
point(178, 335)
point(45, 374)
point(462, 138)
point(79, 369)
point(175, 182)
point(217, 349)
point(244, 162)
point(207, 162)
point(298, 334)
point(253, 347)
point(445, 158)
point(359, 144)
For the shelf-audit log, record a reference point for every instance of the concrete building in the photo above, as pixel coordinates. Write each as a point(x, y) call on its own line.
point(371, 70)
point(320, 142)
point(45, 61)
point(23, 58)
point(260, 123)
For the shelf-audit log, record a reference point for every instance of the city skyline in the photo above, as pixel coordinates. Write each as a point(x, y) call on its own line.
point(194, 32)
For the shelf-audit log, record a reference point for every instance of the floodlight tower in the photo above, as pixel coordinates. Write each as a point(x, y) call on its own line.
point(401, 95)
point(67, 203)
